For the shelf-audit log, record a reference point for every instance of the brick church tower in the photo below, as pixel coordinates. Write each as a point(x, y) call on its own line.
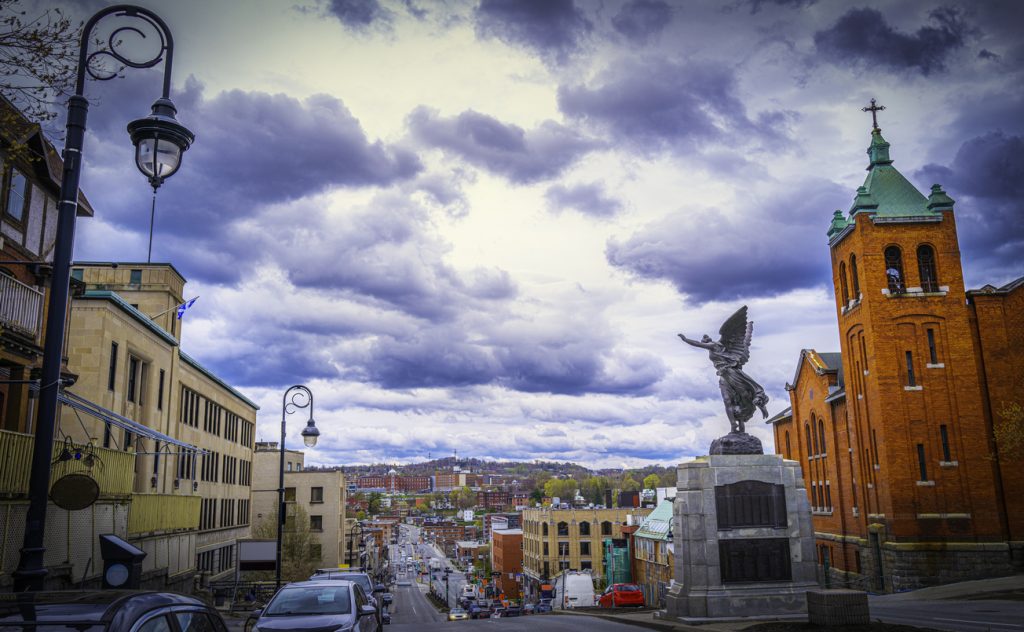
point(899, 447)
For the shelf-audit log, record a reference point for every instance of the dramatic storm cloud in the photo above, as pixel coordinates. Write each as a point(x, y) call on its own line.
point(480, 225)
point(508, 150)
point(863, 36)
point(553, 28)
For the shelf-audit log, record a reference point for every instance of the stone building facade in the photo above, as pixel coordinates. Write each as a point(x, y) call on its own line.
point(570, 539)
point(907, 482)
point(322, 495)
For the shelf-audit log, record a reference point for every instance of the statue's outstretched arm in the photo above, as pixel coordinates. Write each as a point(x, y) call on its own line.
point(697, 343)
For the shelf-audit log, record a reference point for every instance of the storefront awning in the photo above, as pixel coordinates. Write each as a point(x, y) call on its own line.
point(108, 416)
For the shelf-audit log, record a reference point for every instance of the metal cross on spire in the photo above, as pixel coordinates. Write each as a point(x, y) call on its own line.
point(874, 109)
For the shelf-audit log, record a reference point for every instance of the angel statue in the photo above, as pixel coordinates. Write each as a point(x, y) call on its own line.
point(739, 391)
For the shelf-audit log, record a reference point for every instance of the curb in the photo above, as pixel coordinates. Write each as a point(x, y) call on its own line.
point(644, 623)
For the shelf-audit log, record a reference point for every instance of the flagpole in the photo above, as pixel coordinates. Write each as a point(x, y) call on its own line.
point(170, 308)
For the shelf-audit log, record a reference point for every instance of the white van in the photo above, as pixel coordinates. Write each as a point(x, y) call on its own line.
point(573, 589)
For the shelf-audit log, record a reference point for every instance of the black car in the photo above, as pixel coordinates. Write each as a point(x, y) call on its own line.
point(107, 611)
point(316, 606)
point(513, 611)
point(363, 579)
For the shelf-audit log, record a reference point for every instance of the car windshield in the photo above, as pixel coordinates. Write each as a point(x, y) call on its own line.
point(628, 588)
point(311, 600)
point(360, 578)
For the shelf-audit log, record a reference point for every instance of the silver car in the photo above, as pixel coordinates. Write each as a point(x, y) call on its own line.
point(318, 605)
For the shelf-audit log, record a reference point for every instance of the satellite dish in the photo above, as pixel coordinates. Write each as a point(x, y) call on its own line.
point(74, 491)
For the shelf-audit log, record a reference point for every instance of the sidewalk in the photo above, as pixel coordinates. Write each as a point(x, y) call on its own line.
point(998, 586)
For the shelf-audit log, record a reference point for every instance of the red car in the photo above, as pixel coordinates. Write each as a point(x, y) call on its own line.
point(618, 595)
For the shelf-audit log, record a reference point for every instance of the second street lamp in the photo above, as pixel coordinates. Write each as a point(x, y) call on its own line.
point(295, 398)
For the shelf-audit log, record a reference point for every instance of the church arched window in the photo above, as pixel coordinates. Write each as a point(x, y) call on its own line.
point(584, 528)
point(810, 446)
point(821, 437)
point(926, 268)
point(789, 454)
point(842, 284)
point(894, 270)
point(814, 434)
point(853, 276)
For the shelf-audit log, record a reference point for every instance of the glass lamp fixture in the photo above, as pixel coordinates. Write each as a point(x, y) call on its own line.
point(310, 434)
point(159, 141)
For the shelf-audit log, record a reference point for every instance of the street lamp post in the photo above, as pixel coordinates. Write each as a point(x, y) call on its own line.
point(160, 141)
point(295, 398)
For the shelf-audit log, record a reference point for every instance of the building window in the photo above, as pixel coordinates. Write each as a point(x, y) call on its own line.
point(563, 528)
point(584, 548)
point(289, 494)
point(316, 494)
point(584, 528)
point(586, 565)
point(921, 463)
point(316, 523)
point(842, 284)
point(545, 548)
point(933, 355)
point(112, 371)
point(926, 268)
point(787, 446)
point(810, 446)
point(77, 274)
point(944, 436)
point(563, 549)
point(17, 194)
point(160, 393)
point(853, 276)
point(828, 495)
point(133, 372)
point(894, 270)
point(544, 528)
point(821, 435)
point(316, 551)
point(606, 528)
point(911, 379)
point(135, 278)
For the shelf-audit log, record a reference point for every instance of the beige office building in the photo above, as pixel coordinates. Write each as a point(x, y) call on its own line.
point(320, 493)
point(570, 539)
point(190, 478)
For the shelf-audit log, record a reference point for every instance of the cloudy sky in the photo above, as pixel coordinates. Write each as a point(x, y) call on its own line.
point(480, 225)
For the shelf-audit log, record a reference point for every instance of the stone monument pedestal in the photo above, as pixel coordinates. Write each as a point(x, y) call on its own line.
point(743, 538)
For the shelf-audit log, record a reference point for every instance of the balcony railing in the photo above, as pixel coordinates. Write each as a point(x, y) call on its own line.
point(163, 512)
point(114, 473)
point(21, 306)
point(15, 462)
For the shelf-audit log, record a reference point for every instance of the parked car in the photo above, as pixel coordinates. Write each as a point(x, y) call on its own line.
point(105, 611)
point(619, 595)
point(457, 614)
point(498, 613)
point(318, 605)
point(476, 612)
point(387, 598)
point(363, 579)
point(543, 606)
point(513, 611)
point(528, 608)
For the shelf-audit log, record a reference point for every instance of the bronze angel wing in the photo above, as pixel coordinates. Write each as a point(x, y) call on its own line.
point(735, 336)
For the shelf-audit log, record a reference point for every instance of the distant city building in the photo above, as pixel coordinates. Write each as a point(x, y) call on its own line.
point(654, 555)
point(507, 561)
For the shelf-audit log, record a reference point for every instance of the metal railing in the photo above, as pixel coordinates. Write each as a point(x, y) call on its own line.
point(114, 472)
point(163, 512)
point(21, 306)
point(15, 462)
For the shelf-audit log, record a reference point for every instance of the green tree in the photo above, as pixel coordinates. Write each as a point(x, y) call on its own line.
point(651, 481)
point(594, 488)
point(629, 484)
point(463, 498)
point(300, 553)
point(374, 506)
point(563, 489)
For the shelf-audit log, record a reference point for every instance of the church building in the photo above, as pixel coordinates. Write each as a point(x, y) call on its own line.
point(905, 435)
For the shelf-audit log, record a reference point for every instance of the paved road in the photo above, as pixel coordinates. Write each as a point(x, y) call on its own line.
point(535, 623)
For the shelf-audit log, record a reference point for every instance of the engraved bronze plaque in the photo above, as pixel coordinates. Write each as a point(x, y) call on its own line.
point(750, 504)
point(755, 560)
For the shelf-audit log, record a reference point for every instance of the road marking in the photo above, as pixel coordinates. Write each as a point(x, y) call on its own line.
point(1008, 625)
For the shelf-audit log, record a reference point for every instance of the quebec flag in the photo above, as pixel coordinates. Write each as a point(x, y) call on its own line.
point(187, 304)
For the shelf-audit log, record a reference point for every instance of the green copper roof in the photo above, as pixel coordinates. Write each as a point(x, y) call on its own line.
point(886, 193)
point(658, 523)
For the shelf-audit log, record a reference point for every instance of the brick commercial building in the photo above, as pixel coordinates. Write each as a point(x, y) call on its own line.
point(507, 561)
point(394, 483)
point(494, 499)
point(909, 484)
